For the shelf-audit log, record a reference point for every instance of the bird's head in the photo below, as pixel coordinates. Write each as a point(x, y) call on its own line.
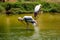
point(40, 5)
point(20, 19)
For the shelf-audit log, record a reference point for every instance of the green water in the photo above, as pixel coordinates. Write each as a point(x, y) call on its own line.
point(12, 29)
point(27, 35)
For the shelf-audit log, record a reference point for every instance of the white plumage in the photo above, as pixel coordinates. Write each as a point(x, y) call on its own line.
point(37, 7)
point(27, 17)
point(19, 18)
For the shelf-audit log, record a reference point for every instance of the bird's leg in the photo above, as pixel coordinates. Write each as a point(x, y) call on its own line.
point(27, 25)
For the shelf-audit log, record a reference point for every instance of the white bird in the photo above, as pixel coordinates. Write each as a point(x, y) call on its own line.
point(36, 10)
point(27, 19)
point(37, 7)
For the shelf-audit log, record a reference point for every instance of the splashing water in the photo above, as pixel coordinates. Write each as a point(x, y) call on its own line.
point(36, 32)
point(36, 29)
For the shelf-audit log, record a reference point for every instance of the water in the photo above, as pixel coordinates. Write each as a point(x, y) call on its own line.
point(34, 36)
point(36, 33)
point(48, 28)
point(22, 34)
